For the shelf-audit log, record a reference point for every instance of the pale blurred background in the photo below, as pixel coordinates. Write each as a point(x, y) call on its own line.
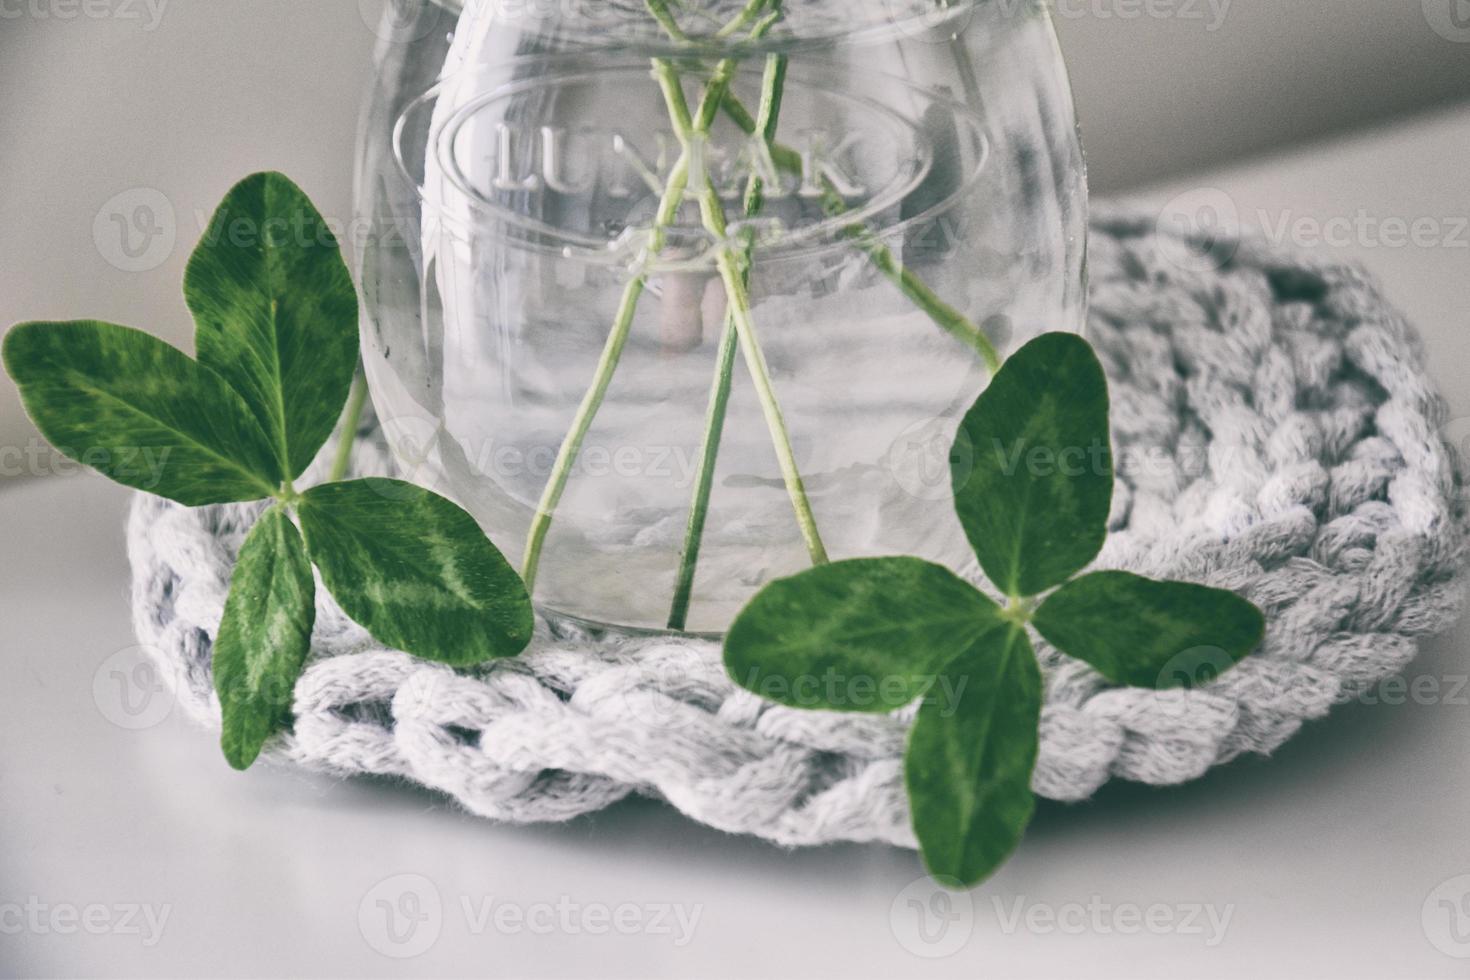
point(183, 98)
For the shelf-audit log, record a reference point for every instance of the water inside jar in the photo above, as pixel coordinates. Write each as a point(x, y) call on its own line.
point(494, 286)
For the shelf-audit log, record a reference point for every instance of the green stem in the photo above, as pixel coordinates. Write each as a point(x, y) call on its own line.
point(350, 420)
point(738, 296)
point(617, 340)
point(665, 17)
point(917, 291)
point(751, 12)
point(772, 88)
point(714, 427)
point(734, 272)
point(945, 316)
point(607, 365)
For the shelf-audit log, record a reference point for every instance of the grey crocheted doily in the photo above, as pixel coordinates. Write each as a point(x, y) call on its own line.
point(1276, 434)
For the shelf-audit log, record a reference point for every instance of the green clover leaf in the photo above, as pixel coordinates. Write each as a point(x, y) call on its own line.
point(277, 338)
point(1035, 501)
point(1130, 628)
point(264, 637)
point(968, 765)
point(417, 571)
point(852, 624)
point(276, 313)
point(1034, 505)
point(140, 412)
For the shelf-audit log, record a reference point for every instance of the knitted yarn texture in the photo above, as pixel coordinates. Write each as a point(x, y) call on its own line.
point(1275, 434)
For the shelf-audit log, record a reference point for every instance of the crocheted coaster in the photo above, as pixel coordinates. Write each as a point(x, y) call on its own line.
point(1275, 433)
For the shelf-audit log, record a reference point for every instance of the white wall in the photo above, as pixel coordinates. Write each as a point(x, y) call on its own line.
point(216, 89)
point(1161, 96)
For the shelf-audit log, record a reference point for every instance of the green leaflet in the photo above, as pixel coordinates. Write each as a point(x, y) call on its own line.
point(140, 412)
point(1133, 629)
point(1033, 467)
point(968, 766)
point(858, 636)
point(276, 313)
point(264, 638)
point(416, 571)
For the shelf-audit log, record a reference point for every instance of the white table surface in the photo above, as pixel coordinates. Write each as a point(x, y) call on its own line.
point(1323, 856)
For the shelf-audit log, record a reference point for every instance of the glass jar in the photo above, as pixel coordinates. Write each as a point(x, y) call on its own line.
point(680, 297)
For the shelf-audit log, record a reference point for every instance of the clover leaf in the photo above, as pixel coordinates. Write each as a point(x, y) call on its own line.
point(276, 317)
point(265, 636)
point(1035, 500)
point(968, 766)
point(853, 623)
point(140, 412)
point(1033, 481)
point(276, 313)
point(1129, 627)
point(416, 570)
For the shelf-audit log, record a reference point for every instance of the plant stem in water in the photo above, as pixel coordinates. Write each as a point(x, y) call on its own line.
point(607, 365)
point(729, 265)
point(945, 316)
point(734, 272)
point(752, 10)
point(772, 87)
point(669, 204)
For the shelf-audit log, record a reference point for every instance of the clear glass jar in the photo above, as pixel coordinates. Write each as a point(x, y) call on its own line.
point(585, 358)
